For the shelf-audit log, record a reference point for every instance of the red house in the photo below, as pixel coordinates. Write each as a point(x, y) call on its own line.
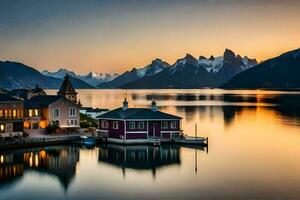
point(138, 124)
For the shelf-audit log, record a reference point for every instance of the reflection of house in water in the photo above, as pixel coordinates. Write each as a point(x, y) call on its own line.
point(58, 161)
point(140, 157)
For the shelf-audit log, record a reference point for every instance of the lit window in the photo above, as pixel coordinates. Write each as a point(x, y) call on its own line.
point(173, 124)
point(115, 125)
point(1, 113)
point(14, 113)
point(55, 112)
point(141, 125)
point(1, 128)
point(36, 112)
point(72, 112)
point(131, 125)
point(164, 125)
point(30, 113)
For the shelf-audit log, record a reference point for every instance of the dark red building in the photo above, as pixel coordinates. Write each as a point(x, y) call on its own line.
point(138, 124)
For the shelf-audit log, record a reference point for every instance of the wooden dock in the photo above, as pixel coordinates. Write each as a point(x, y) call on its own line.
point(194, 141)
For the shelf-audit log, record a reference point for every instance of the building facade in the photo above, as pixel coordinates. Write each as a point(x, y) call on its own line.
point(61, 110)
point(11, 116)
point(139, 123)
point(42, 111)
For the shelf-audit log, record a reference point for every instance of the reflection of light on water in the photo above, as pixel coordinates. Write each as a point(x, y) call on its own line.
point(30, 159)
point(36, 160)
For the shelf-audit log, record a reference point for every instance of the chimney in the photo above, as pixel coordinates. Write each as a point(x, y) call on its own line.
point(125, 104)
point(153, 106)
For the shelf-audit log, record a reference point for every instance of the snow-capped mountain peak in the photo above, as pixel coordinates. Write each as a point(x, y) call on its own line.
point(213, 64)
point(92, 78)
point(155, 67)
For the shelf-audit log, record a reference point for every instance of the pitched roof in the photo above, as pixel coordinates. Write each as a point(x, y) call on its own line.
point(66, 87)
point(138, 113)
point(41, 101)
point(7, 98)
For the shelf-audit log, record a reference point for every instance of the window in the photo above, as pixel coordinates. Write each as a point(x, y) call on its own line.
point(164, 124)
point(72, 112)
point(36, 112)
point(104, 124)
point(131, 125)
point(2, 128)
point(75, 122)
point(1, 113)
point(141, 125)
point(14, 113)
point(115, 125)
point(35, 126)
point(56, 112)
point(173, 124)
point(9, 127)
point(55, 122)
point(30, 113)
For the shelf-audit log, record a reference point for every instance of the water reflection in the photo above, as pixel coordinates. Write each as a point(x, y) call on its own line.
point(140, 157)
point(59, 161)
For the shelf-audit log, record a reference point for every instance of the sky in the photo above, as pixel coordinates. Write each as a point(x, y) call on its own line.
point(116, 35)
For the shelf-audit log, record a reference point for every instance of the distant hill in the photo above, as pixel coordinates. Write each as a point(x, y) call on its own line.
point(282, 72)
point(91, 78)
point(190, 72)
point(17, 75)
point(155, 67)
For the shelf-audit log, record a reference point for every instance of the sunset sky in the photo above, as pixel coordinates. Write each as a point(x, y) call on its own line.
point(113, 36)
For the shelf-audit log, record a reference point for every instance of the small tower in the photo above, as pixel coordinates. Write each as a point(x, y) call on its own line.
point(67, 90)
point(153, 106)
point(125, 104)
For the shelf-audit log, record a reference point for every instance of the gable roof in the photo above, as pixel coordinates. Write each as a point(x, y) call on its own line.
point(66, 87)
point(41, 101)
point(7, 98)
point(138, 113)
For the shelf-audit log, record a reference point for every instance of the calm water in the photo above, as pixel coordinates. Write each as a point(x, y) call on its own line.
point(254, 152)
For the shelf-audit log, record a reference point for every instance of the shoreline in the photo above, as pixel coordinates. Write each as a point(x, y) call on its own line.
point(39, 141)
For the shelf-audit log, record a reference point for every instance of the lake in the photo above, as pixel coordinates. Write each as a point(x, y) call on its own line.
point(253, 152)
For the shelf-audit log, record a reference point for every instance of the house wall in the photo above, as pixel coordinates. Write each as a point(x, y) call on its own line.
point(136, 126)
point(41, 120)
point(156, 130)
point(11, 115)
point(116, 133)
point(64, 118)
point(151, 128)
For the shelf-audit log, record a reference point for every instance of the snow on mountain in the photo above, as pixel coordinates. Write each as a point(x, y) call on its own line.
point(91, 78)
point(213, 64)
point(59, 73)
point(155, 67)
point(190, 72)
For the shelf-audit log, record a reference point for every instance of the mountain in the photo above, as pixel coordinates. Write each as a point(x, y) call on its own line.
point(91, 78)
point(17, 75)
point(281, 72)
point(155, 67)
point(189, 72)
